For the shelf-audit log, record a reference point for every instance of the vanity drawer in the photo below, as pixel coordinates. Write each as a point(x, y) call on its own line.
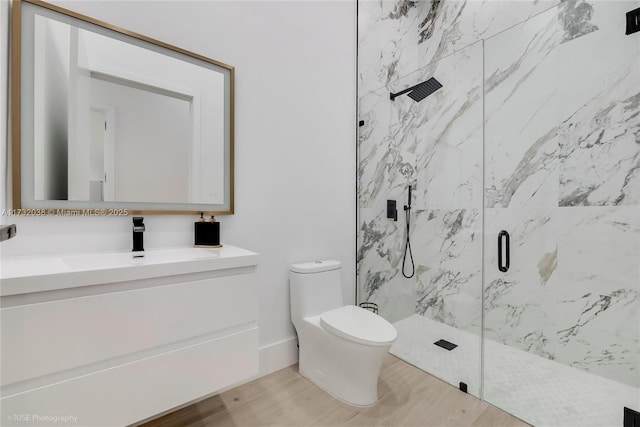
point(49, 337)
point(135, 391)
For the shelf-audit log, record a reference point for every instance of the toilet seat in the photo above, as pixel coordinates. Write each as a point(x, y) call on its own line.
point(358, 325)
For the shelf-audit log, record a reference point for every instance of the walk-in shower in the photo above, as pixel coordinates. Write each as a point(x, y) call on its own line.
point(525, 220)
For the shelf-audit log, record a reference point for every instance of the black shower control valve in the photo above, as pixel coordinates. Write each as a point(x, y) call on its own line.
point(631, 418)
point(633, 21)
point(392, 211)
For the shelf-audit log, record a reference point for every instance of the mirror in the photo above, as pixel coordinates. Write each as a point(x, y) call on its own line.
point(110, 119)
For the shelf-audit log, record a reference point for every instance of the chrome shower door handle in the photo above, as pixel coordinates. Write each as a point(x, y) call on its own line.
point(503, 251)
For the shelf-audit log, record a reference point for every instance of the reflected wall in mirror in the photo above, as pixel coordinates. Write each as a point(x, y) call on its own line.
point(109, 118)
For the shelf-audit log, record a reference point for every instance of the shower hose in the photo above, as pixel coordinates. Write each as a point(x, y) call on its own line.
point(407, 246)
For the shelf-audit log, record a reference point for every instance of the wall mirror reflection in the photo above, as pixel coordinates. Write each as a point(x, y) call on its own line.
point(109, 118)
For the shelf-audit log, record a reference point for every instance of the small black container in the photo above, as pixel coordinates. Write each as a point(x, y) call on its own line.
point(207, 233)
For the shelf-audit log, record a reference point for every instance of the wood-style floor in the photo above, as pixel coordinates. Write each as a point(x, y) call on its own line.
point(408, 397)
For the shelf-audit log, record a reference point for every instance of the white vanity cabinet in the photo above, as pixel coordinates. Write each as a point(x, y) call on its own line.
point(110, 341)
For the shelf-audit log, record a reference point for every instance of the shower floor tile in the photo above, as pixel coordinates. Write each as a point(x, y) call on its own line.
point(537, 390)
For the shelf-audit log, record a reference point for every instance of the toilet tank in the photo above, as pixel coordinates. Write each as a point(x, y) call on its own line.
point(315, 288)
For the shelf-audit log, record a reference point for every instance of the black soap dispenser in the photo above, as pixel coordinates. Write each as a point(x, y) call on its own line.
point(207, 233)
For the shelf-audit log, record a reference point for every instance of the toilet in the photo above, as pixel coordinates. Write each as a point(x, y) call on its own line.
point(342, 347)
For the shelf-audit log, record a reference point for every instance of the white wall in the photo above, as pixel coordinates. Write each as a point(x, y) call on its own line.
point(295, 152)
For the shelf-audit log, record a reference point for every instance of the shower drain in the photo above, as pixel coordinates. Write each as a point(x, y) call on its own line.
point(446, 344)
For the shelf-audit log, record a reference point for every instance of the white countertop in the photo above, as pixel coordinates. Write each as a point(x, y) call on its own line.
point(27, 274)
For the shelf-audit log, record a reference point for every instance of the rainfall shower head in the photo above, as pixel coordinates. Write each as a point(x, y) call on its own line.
point(420, 91)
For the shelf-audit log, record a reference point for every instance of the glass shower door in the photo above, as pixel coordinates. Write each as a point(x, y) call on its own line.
point(562, 178)
point(434, 146)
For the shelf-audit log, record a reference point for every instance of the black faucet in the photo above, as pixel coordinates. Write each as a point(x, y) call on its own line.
point(138, 242)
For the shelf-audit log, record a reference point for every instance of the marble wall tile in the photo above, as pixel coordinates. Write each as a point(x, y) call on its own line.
point(522, 114)
point(448, 26)
point(593, 299)
point(562, 130)
point(575, 17)
point(396, 37)
point(436, 146)
point(379, 260)
point(387, 40)
point(554, 138)
point(514, 303)
point(386, 160)
point(377, 251)
point(449, 149)
point(396, 299)
point(599, 144)
point(572, 293)
point(447, 248)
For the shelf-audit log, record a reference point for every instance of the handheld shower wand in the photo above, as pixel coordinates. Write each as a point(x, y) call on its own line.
point(407, 245)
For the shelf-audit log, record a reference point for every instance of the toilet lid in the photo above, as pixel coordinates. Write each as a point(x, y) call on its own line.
point(359, 325)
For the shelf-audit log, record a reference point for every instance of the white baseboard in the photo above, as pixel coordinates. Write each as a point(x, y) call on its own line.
point(276, 356)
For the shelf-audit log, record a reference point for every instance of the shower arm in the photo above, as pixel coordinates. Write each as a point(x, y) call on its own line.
point(393, 96)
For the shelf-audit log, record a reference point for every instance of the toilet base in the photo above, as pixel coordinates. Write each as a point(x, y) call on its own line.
point(346, 370)
point(310, 379)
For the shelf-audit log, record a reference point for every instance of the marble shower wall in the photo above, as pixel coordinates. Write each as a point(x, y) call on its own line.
point(397, 37)
point(436, 147)
point(562, 175)
point(560, 160)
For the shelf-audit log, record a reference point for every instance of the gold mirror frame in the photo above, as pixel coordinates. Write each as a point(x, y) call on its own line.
point(16, 121)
